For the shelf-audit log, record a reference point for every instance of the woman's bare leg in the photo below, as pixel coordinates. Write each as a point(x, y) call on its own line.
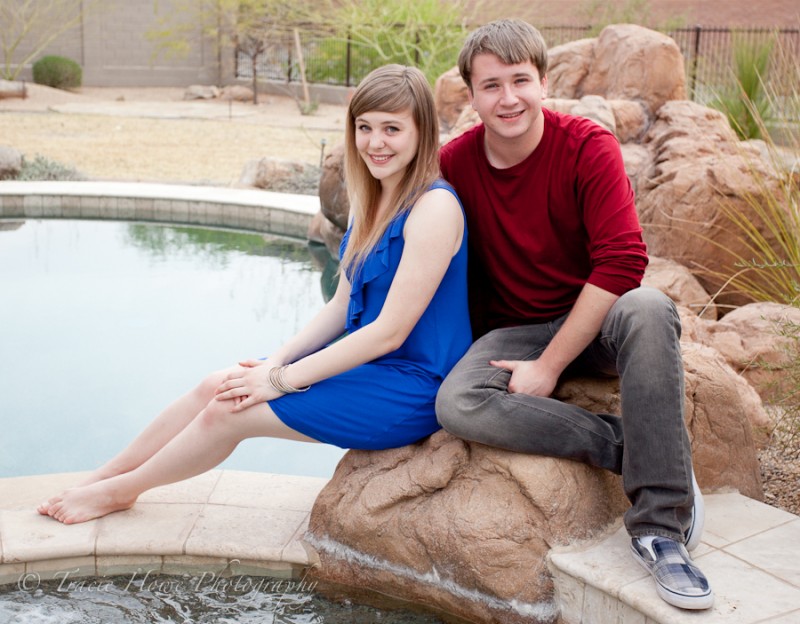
point(157, 434)
point(203, 444)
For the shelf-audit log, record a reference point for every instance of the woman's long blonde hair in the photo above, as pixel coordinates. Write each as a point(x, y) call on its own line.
point(388, 89)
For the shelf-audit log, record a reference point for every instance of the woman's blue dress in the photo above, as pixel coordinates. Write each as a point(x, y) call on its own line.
point(390, 401)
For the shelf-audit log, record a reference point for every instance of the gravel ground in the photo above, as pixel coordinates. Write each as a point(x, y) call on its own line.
point(153, 135)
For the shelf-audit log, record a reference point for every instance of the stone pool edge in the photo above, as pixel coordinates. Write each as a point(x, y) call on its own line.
point(223, 523)
point(238, 208)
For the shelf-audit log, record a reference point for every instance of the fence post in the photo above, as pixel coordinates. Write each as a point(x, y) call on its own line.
point(693, 79)
point(347, 61)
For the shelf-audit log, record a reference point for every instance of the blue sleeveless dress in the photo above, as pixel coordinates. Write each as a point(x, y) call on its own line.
point(390, 401)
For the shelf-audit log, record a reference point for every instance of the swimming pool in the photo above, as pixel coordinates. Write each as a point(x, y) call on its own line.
point(103, 323)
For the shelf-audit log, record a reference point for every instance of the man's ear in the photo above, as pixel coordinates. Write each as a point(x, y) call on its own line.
point(544, 86)
point(470, 97)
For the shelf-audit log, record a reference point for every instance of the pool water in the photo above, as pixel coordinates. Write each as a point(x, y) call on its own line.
point(199, 599)
point(102, 324)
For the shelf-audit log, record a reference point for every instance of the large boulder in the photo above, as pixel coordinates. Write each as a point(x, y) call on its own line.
point(467, 528)
point(458, 525)
point(625, 62)
point(700, 175)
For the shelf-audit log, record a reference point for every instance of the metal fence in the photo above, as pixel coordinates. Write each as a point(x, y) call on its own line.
point(334, 58)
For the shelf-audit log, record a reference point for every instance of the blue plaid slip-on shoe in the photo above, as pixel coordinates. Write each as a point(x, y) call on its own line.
point(695, 530)
point(678, 580)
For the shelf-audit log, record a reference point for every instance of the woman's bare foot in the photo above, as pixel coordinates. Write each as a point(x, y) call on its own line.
point(87, 502)
point(100, 474)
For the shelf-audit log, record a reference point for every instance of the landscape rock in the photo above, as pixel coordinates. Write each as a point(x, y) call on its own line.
point(270, 173)
point(597, 109)
point(450, 97)
point(11, 161)
point(452, 523)
point(333, 199)
point(201, 92)
point(677, 282)
point(755, 339)
point(236, 93)
point(701, 174)
point(625, 61)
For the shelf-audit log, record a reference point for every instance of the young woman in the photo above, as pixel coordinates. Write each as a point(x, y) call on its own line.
point(365, 371)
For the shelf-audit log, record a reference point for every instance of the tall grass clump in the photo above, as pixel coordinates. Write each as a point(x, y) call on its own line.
point(747, 104)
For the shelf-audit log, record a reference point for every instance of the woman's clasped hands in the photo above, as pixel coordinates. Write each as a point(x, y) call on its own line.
point(248, 384)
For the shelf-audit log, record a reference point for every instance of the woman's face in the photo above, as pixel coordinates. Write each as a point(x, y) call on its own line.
point(387, 142)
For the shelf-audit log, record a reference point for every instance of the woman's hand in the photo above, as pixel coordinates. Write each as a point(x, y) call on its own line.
point(248, 385)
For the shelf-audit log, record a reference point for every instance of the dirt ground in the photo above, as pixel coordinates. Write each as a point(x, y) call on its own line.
point(153, 135)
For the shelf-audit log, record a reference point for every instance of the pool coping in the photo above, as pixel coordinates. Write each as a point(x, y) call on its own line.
point(238, 208)
point(223, 522)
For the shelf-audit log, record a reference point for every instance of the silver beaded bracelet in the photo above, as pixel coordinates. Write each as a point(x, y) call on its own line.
point(277, 380)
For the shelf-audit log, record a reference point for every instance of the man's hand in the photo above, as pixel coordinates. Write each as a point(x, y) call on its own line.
point(528, 377)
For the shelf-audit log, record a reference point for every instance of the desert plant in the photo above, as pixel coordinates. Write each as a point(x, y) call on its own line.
point(423, 33)
point(58, 72)
point(747, 105)
point(769, 269)
point(41, 168)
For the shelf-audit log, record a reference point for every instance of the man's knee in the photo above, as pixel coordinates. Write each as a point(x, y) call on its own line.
point(453, 404)
point(648, 307)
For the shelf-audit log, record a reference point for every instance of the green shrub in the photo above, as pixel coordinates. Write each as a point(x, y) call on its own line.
point(58, 72)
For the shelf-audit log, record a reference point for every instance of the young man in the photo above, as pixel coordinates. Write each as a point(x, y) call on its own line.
point(556, 260)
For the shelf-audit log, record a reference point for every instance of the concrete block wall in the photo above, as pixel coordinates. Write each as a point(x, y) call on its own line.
point(111, 43)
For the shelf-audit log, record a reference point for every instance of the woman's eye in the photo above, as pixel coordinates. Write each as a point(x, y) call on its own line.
point(363, 128)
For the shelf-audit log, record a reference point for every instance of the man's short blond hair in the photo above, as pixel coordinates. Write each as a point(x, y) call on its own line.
point(511, 40)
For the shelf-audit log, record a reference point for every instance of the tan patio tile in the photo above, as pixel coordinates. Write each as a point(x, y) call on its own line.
point(793, 617)
point(28, 536)
point(267, 491)
point(742, 595)
point(28, 492)
point(147, 528)
point(239, 533)
point(196, 490)
point(775, 551)
point(733, 517)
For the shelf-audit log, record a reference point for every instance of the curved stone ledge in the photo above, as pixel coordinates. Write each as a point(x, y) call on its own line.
point(227, 522)
point(245, 209)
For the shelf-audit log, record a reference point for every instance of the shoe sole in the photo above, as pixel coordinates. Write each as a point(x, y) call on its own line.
point(682, 601)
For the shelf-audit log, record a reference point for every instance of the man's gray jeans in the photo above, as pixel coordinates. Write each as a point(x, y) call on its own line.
point(648, 445)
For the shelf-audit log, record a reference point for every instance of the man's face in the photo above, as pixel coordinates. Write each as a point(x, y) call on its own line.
point(508, 98)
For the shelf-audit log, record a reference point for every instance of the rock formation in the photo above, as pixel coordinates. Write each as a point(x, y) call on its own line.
point(467, 528)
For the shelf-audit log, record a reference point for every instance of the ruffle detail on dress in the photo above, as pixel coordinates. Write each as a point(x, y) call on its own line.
point(375, 265)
